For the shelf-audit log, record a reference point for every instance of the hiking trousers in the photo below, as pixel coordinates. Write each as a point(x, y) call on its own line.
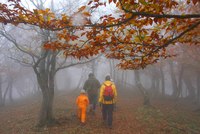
point(93, 101)
point(82, 113)
point(107, 113)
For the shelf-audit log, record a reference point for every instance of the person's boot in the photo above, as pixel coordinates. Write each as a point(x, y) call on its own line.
point(82, 123)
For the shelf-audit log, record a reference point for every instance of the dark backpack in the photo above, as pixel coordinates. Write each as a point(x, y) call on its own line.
point(108, 93)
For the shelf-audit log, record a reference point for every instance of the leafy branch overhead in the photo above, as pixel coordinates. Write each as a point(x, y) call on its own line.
point(137, 34)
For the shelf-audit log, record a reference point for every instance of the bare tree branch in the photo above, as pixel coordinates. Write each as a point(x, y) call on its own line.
point(11, 39)
point(21, 62)
point(78, 63)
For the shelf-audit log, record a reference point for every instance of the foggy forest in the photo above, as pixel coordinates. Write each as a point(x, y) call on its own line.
point(150, 49)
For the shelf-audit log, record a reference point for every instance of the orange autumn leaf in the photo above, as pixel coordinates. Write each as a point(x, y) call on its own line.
point(86, 14)
point(150, 24)
point(81, 8)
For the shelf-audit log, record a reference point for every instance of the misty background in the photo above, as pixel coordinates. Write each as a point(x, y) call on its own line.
point(20, 48)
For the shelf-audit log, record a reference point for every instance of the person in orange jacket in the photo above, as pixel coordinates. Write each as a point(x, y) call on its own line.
point(82, 103)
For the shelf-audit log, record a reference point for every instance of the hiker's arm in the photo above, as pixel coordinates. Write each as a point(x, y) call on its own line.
point(98, 83)
point(101, 94)
point(85, 87)
point(115, 93)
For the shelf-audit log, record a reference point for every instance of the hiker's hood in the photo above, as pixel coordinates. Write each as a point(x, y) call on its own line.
point(107, 83)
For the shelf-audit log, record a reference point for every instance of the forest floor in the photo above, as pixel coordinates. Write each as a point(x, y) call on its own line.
point(130, 116)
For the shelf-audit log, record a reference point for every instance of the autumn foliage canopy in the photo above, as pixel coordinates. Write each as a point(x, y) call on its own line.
point(138, 34)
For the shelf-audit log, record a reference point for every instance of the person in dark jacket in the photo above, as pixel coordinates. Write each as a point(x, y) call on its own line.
point(91, 86)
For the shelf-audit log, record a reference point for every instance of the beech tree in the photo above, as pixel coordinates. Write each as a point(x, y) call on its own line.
point(137, 34)
point(45, 63)
point(188, 66)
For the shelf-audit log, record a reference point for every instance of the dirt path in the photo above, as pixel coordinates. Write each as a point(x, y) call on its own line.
point(129, 117)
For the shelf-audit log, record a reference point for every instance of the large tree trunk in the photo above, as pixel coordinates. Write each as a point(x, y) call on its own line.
point(190, 88)
point(162, 81)
point(46, 112)
point(155, 81)
point(174, 81)
point(8, 90)
point(123, 82)
point(94, 67)
point(180, 81)
point(81, 79)
point(139, 85)
point(45, 75)
point(112, 69)
point(11, 90)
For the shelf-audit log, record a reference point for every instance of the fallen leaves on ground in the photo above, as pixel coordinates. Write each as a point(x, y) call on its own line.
point(130, 117)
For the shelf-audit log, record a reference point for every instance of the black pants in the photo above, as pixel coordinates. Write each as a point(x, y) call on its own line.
point(107, 112)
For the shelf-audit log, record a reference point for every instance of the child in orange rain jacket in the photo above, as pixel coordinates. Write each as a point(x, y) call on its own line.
point(82, 103)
